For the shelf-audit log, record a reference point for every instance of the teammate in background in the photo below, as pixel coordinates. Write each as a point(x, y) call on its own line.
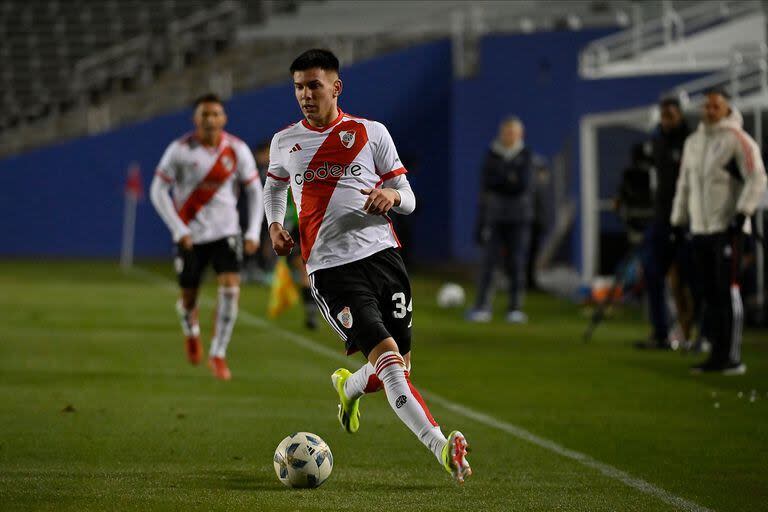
point(201, 168)
point(346, 176)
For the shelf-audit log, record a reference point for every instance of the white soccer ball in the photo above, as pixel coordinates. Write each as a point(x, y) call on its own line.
point(450, 295)
point(303, 460)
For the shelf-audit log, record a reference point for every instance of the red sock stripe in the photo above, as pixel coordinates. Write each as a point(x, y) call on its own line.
point(389, 360)
point(387, 365)
point(417, 396)
point(373, 385)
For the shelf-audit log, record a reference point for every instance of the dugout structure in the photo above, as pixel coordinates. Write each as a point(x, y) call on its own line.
point(605, 145)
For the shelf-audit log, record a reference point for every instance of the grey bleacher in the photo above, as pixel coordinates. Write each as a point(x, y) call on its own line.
point(71, 67)
point(346, 17)
point(43, 40)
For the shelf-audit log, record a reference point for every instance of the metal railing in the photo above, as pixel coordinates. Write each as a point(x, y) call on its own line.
point(124, 58)
point(671, 27)
point(746, 75)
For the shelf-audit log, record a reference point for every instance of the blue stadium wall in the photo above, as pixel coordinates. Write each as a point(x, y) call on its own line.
point(67, 201)
point(536, 78)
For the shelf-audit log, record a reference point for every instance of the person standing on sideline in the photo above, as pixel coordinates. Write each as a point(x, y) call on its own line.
point(659, 252)
point(345, 176)
point(504, 221)
point(722, 179)
point(201, 168)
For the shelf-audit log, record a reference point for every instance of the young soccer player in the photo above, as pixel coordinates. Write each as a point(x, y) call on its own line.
point(201, 168)
point(345, 176)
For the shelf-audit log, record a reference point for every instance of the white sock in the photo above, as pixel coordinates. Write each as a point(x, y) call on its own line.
point(188, 319)
point(407, 403)
point(364, 381)
point(361, 382)
point(226, 314)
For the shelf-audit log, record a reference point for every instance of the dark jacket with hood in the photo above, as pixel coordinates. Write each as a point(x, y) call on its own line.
point(667, 155)
point(506, 194)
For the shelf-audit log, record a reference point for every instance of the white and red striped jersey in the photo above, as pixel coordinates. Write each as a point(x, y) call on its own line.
point(204, 186)
point(326, 169)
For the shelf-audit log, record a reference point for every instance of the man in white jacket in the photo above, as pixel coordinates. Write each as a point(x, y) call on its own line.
point(722, 178)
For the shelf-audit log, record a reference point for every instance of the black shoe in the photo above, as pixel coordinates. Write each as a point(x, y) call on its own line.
point(707, 366)
point(729, 368)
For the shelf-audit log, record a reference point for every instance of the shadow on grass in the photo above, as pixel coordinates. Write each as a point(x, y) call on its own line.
point(245, 480)
point(234, 480)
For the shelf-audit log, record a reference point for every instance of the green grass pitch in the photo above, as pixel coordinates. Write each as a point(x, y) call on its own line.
point(100, 410)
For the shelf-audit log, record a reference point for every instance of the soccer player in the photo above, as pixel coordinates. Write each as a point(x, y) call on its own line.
point(345, 176)
point(201, 168)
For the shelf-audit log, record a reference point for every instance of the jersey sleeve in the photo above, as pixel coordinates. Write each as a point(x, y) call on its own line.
point(752, 170)
point(277, 169)
point(166, 169)
point(246, 165)
point(385, 157)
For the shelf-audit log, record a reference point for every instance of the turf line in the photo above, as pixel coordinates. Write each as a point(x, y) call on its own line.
point(520, 433)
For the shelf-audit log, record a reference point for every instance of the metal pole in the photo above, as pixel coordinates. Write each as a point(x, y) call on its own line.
point(590, 215)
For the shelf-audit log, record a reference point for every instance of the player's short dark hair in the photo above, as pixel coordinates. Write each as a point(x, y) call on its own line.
point(208, 97)
point(670, 101)
point(721, 91)
point(316, 58)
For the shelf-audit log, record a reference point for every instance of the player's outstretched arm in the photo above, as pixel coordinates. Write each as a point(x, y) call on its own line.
point(275, 204)
point(161, 199)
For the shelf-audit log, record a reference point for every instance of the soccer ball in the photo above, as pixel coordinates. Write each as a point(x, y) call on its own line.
point(450, 295)
point(303, 460)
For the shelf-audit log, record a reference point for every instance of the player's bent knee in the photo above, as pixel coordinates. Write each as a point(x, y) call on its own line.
point(229, 279)
point(384, 346)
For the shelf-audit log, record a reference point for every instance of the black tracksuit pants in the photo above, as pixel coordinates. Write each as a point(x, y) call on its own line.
point(717, 260)
point(508, 246)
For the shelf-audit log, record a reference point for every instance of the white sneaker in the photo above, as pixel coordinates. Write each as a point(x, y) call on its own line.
point(517, 317)
point(479, 315)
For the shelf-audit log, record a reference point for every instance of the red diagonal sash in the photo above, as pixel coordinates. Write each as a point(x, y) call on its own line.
point(222, 169)
point(316, 194)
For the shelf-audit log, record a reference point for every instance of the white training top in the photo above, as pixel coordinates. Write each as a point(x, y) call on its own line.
point(326, 169)
point(204, 188)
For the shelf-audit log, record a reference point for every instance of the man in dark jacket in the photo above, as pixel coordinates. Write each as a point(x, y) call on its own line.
point(660, 252)
point(504, 220)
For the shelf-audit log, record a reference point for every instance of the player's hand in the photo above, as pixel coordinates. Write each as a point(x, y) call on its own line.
point(380, 200)
point(251, 246)
point(282, 242)
point(185, 242)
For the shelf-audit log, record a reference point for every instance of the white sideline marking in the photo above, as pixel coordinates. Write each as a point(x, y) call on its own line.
point(520, 433)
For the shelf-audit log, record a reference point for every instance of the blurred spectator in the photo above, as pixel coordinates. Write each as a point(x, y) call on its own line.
point(722, 179)
point(504, 220)
point(660, 255)
point(634, 200)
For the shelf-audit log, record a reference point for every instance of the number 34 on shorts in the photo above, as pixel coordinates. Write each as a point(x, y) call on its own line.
point(400, 309)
